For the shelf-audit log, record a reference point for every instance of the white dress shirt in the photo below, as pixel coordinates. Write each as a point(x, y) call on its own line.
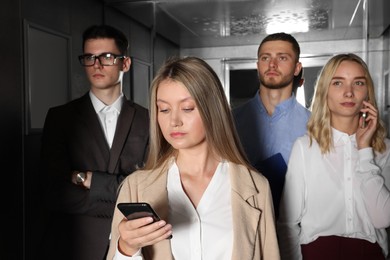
point(108, 115)
point(375, 189)
point(204, 233)
point(323, 193)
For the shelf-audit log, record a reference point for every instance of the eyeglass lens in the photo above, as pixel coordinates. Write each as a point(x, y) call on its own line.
point(105, 59)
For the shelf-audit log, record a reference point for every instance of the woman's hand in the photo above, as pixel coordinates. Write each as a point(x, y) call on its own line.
point(137, 233)
point(364, 134)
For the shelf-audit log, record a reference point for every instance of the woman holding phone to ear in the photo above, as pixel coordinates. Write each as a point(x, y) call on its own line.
point(335, 202)
point(196, 178)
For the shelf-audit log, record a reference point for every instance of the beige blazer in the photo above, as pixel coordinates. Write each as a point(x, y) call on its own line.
point(253, 215)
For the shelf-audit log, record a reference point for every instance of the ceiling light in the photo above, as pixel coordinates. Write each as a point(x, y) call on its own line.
point(287, 27)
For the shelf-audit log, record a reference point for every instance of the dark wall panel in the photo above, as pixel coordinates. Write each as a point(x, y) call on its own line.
point(68, 18)
point(11, 131)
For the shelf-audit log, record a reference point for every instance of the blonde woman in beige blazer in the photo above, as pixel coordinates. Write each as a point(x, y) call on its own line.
point(193, 135)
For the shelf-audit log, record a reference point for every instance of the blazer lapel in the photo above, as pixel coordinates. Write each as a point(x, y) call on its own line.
point(155, 193)
point(88, 117)
point(123, 126)
point(245, 216)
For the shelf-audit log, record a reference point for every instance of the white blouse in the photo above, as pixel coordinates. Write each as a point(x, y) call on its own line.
point(202, 233)
point(205, 232)
point(326, 194)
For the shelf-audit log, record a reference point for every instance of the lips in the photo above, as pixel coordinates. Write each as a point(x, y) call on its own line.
point(177, 134)
point(348, 104)
point(271, 74)
point(98, 76)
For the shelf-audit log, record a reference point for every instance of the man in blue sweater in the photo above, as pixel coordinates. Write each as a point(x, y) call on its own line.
point(269, 123)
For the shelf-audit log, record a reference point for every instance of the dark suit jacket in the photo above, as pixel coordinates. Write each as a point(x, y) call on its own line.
point(73, 139)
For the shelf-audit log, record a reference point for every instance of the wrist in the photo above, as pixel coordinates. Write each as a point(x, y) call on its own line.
point(79, 178)
point(125, 250)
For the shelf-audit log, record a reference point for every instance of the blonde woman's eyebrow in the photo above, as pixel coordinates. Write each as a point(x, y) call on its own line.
point(355, 78)
point(181, 101)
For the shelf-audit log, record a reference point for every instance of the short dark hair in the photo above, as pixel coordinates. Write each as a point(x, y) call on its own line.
point(282, 37)
point(106, 31)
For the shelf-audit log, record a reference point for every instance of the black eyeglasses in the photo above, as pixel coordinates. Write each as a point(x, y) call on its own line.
point(105, 59)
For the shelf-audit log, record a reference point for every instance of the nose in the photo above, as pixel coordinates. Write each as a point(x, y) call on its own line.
point(348, 91)
point(97, 63)
point(175, 119)
point(273, 62)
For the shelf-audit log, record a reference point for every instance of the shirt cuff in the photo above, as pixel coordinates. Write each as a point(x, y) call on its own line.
point(366, 153)
point(119, 256)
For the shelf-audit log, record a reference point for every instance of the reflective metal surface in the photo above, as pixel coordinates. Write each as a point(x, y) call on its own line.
point(200, 23)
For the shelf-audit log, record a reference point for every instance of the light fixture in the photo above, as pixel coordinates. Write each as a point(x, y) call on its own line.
point(291, 21)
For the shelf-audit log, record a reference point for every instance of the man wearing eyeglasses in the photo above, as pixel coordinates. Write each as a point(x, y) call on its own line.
point(89, 146)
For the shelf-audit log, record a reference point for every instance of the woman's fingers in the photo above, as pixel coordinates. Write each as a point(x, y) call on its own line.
point(138, 233)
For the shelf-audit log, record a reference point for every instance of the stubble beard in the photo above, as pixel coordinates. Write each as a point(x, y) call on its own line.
point(271, 84)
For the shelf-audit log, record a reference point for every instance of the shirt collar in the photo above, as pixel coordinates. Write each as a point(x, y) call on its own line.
point(286, 105)
point(98, 105)
point(341, 137)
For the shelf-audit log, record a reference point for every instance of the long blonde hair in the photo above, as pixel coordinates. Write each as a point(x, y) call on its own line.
point(204, 86)
point(319, 127)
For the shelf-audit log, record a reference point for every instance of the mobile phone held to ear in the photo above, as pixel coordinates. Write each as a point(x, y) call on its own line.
point(134, 210)
point(364, 115)
point(364, 124)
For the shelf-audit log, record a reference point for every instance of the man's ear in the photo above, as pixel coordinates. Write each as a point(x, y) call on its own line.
point(126, 64)
point(298, 68)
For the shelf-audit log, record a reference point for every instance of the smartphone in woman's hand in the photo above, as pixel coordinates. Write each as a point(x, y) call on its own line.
point(134, 210)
